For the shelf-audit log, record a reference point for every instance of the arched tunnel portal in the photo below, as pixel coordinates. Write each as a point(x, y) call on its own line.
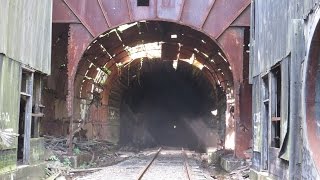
point(154, 83)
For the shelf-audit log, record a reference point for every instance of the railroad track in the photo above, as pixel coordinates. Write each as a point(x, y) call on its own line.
point(185, 165)
point(159, 164)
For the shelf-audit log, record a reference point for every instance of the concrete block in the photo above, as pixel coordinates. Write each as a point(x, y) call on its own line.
point(214, 157)
point(255, 175)
point(26, 172)
point(37, 150)
point(229, 163)
point(61, 178)
point(77, 160)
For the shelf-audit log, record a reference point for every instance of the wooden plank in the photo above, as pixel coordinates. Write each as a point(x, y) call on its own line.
point(273, 119)
point(252, 32)
point(27, 120)
point(37, 101)
point(264, 122)
point(257, 125)
point(54, 176)
point(273, 94)
point(25, 94)
point(37, 115)
point(284, 108)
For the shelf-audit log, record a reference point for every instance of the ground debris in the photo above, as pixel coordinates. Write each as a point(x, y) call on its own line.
point(240, 173)
point(92, 155)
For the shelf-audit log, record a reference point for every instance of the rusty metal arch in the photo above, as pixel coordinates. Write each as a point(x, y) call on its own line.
point(224, 53)
point(212, 67)
point(213, 17)
point(310, 93)
point(222, 20)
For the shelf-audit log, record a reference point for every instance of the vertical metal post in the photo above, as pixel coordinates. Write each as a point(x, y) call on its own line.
point(297, 55)
point(251, 48)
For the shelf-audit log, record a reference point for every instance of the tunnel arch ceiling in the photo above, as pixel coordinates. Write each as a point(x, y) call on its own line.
point(140, 41)
point(102, 72)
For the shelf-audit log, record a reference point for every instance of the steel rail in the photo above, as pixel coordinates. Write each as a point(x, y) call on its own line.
point(148, 165)
point(186, 164)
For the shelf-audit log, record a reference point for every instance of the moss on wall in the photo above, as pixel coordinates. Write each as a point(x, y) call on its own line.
point(37, 150)
point(8, 160)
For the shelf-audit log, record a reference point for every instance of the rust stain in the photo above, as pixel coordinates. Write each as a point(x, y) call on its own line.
point(211, 17)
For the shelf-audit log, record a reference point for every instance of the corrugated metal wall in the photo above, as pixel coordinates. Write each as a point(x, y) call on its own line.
point(25, 32)
point(9, 110)
point(303, 7)
point(271, 40)
point(9, 96)
point(272, 28)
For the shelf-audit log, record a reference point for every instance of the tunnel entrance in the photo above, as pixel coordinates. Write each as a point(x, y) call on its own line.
point(164, 106)
point(153, 83)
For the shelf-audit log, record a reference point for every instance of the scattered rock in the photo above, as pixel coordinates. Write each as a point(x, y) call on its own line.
point(61, 178)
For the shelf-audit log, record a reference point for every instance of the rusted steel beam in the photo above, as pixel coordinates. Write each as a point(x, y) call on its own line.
point(243, 19)
point(170, 9)
point(234, 18)
point(87, 10)
point(98, 7)
point(143, 12)
point(232, 44)
point(104, 13)
point(129, 10)
point(181, 10)
point(195, 13)
point(222, 15)
point(116, 11)
point(62, 13)
point(215, 15)
point(79, 38)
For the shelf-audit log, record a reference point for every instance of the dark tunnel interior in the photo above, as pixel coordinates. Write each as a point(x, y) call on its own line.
point(162, 103)
point(159, 84)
